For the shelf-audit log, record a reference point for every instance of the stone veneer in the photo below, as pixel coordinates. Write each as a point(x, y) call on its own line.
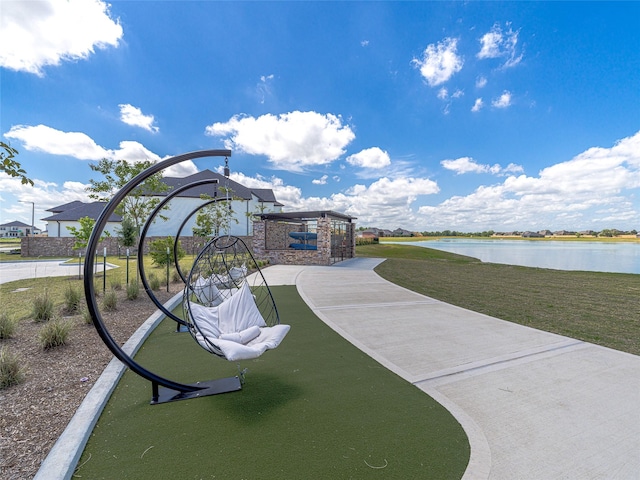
point(63, 246)
point(270, 233)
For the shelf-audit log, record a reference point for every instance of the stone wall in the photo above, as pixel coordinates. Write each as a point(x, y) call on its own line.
point(289, 256)
point(63, 246)
point(277, 234)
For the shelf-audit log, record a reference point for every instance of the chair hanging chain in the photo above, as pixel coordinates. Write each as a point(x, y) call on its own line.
point(226, 190)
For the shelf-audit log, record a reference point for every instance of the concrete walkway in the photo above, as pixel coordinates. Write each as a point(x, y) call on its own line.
point(535, 405)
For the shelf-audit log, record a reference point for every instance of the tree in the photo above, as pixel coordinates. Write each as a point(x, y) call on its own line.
point(158, 251)
point(128, 233)
point(214, 218)
point(83, 233)
point(10, 166)
point(139, 204)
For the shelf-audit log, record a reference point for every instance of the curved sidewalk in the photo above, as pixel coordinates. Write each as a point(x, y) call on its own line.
point(535, 405)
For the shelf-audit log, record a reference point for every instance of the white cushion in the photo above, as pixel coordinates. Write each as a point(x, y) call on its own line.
point(239, 312)
point(236, 327)
point(206, 319)
point(270, 337)
point(244, 337)
point(206, 291)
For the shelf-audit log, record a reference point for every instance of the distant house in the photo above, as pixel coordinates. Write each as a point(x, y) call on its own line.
point(18, 229)
point(400, 232)
point(532, 235)
point(245, 202)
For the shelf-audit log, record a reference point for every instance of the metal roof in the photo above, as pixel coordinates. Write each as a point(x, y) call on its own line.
point(91, 210)
point(310, 215)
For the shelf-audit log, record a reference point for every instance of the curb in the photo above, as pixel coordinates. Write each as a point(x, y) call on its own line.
point(62, 460)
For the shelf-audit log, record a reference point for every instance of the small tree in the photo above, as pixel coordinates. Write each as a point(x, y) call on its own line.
point(139, 204)
point(214, 218)
point(158, 251)
point(128, 233)
point(83, 234)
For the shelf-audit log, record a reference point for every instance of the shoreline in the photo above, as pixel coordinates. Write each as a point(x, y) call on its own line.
point(566, 238)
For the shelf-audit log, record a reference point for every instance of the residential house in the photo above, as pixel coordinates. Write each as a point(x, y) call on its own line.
point(69, 214)
point(245, 202)
point(18, 229)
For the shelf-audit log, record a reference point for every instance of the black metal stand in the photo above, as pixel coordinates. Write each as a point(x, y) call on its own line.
point(205, 389)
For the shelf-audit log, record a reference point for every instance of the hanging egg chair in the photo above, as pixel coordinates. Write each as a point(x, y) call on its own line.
point(228, 306)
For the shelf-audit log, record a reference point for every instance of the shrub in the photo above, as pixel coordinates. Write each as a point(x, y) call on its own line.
point(54, 334)
point(11, 370)
point(154, 282)
point(110, 301)
point(86, 317)
point(158, 251)
point(132, 290)
point(8, 325)
point(116, 284)
point(72, 298)
point(175, 277)
point(42, 308)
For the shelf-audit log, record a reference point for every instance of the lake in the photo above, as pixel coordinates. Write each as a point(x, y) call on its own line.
point(615, 257)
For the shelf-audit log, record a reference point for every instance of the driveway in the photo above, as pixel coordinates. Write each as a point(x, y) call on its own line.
point(21, 270)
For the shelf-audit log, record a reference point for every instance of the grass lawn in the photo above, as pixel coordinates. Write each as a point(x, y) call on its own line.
point(316, 407)
point(602, 308)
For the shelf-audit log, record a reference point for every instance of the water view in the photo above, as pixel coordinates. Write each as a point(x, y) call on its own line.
point(615, 257)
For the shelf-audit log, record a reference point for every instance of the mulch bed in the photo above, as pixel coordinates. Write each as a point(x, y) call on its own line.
point(36, 412)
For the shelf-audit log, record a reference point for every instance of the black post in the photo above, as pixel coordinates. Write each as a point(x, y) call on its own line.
point(127, 266)
point(168, 261)
point(104, 271)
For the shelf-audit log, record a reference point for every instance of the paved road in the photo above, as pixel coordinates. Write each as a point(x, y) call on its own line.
point(20, 270)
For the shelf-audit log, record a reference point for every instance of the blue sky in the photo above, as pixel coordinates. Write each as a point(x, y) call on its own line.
point(420, 115)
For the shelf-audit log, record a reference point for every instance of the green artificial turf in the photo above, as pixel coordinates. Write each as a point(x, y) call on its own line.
point(316, 407)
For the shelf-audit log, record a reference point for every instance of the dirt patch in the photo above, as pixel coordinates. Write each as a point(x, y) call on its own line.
point(36, 412)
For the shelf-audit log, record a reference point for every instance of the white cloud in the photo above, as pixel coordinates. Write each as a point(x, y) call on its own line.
point(291, 141)
point(457, 94)
point(498, 44)
point(481, 82)
point(263, 88)
point(34, 34)
point(469, 165)
point(503, 101)
point(43, 194)
point(439, 62)
point(596, 189)
point(370, 158)
point(478, 104)
point(133, 116)
point(464, 165)
point(384, 201)
point(364, 43)
point(320, 181)
point(41, 138)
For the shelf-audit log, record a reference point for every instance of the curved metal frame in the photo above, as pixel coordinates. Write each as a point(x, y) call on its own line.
point(143, 236)
point(184, 390)
point(182, 225)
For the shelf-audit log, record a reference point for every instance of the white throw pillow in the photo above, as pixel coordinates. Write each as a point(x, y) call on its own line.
point(206, 319)
point(239, 312)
